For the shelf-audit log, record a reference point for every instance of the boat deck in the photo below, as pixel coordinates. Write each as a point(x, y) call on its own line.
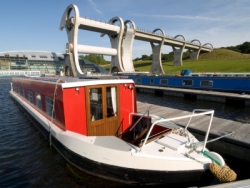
point(240, 140)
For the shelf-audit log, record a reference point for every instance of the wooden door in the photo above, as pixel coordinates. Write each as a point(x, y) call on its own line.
point(103, 110)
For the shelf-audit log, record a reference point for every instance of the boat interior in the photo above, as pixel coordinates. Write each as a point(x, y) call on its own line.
point(141, 125)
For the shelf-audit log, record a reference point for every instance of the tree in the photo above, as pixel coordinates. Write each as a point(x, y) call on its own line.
point(144, 57)
point(242, 48)
point(245, 47)
point(137, 59)
point(94, 58)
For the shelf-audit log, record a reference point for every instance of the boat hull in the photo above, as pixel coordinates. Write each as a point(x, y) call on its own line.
point(225, 84)
point(121, 174)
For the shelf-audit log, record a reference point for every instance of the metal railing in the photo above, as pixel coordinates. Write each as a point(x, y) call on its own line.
point(202, 112)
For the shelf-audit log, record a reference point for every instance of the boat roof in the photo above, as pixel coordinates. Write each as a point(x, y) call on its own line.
point(69, 82)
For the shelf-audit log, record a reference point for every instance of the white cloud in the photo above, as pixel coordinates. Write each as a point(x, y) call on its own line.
point(215, 30)
point(180, 17)
point(95, 7)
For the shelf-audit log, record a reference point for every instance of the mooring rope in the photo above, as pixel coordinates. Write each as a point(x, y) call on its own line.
point(222, 173)
point(189, 156)
point(52, 115)
point(215, 139)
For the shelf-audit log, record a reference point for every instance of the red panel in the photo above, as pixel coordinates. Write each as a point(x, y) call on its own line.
point(158, 129)
point(75, 110)
point(70, 104)
point(127, 104)
point(44, 89)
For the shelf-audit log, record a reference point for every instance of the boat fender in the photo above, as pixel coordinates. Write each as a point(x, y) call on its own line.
point(219, 169)
point(223, 173)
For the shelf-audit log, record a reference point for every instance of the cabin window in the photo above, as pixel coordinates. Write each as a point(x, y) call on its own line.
point(111, 100)
point(187, 82)
point(38, 101)
point(30, 97)
point(96, 104)
point(23, 93)
point(151, 81)
point(138, 80)
point(19, 90)
point(206, 83)
point(164, 82)
point(49, 106)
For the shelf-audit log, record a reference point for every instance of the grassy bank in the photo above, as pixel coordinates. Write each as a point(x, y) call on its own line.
point(219, 60)
point(231, 65)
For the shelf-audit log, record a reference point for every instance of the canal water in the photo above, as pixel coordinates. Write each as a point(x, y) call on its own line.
point(27, 160)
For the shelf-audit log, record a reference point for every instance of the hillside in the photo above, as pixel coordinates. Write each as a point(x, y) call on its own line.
point(223, 54)
point(242, 48)
point(219, 60)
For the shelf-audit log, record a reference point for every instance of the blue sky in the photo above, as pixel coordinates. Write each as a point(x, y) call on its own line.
point(34, 25)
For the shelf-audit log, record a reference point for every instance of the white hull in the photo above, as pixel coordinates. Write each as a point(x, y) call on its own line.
point(112, 151)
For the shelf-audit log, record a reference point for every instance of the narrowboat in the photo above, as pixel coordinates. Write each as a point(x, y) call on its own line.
point(213, 81)
point(94, 124)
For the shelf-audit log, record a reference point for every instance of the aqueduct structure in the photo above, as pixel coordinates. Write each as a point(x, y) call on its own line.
point(122, 36)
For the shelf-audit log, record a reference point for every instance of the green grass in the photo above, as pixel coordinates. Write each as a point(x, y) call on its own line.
point(223, 54)
point(233, 65)
point(219, 60)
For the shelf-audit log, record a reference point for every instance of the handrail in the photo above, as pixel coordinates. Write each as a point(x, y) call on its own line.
point(210, 122)
point(153, 116)
point(205, 112)
point(140, 118)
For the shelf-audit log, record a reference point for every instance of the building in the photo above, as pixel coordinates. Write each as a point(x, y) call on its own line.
point(49, 63)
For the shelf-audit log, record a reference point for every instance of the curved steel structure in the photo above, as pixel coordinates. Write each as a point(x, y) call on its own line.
point(178, 52)
point(156, 67)
point(194, 54)
point(121, 38)
point(209, 44)
point(116, 43)
point(127, 46)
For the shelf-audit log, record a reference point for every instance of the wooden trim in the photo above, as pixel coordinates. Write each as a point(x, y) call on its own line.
point(107, 125)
